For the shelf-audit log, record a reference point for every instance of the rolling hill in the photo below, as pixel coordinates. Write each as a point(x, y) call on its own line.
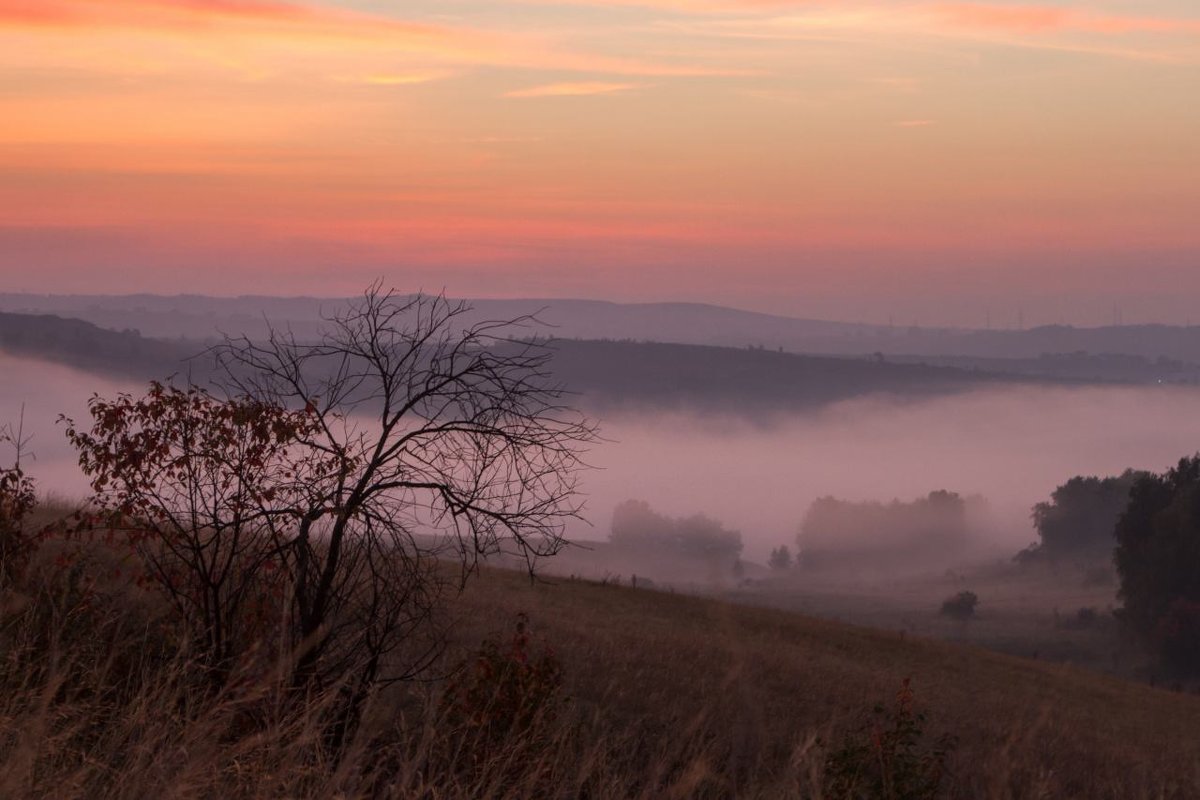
point(606, 374)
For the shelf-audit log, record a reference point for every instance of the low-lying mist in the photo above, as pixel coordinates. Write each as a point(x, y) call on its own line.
point(41, 391)
point(1010, 445)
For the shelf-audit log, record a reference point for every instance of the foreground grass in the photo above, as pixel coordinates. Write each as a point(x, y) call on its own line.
point(665, 696)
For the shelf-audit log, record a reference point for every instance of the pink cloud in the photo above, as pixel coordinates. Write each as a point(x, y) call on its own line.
point(302, 22)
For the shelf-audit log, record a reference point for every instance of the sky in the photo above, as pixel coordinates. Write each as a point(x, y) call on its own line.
point(936, 162)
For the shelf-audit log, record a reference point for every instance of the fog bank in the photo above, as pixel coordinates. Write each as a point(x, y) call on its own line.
point(1011, 445)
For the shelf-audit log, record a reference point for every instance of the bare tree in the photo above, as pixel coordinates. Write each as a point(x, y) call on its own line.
point(431, 438)
point(347, 480)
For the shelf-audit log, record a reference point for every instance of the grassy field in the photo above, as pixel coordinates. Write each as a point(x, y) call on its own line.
point(1041, 613)
point(662, 695)
point(1033, 611)
point(764, 684)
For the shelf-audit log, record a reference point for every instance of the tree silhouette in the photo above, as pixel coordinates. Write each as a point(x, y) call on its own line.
point(1158, 560)
point(347, 471)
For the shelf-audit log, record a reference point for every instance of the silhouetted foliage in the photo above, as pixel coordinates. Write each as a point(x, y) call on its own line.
point(1158, 561)
point(960, 606)
point(1078, 521)
point(17, 500)
point(207, 492)
point(781, 558)
point(636, 526)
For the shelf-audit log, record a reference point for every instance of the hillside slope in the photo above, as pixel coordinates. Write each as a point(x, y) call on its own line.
point(751, 689)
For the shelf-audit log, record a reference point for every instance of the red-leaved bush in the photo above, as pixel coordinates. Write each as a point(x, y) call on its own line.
point(507, 689)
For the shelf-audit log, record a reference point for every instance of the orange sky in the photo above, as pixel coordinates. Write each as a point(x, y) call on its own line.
point(933, 160)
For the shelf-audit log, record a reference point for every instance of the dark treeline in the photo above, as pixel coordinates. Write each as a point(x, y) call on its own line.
point(1077, 522)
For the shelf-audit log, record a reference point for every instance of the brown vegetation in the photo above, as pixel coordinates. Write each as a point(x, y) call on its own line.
point(660, 695)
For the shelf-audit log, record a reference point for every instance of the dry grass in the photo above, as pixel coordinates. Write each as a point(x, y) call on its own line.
point(666, 696)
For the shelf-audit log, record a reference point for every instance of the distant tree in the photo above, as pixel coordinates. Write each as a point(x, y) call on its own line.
point(781, 558)
point(702, 536)
point(636, 526)
point(837, 533)
point(960, 606)
point(1078, 521)
point(1158, 561)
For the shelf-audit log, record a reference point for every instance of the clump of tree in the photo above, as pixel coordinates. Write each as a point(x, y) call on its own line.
point(312, 507)
point(1158, 562)
point(781, 558)
point(637, 527)
point(842, 534)
point(1077, 522)
point(960, 606)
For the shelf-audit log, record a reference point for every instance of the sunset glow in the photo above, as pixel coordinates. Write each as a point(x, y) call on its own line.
point(834, 159)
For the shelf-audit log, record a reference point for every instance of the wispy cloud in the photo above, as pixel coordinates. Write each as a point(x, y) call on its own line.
point(576, 89)
point(1037, 19)
point(262, 21)
point(402, 78)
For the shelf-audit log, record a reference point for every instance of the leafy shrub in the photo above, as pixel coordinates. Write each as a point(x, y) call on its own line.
point(507, 689)
point(961, 605)
point(17, 500)
point(889, 758)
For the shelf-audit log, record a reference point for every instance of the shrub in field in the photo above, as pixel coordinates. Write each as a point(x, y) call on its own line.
point(17, 501)
point(961, 605)
point(890, 758)
point(507, 689)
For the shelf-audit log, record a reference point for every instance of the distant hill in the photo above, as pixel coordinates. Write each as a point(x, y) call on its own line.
point(606, 374)
point(201, 317)
point(613, 374)
point(205, 318)
point(86, 346)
